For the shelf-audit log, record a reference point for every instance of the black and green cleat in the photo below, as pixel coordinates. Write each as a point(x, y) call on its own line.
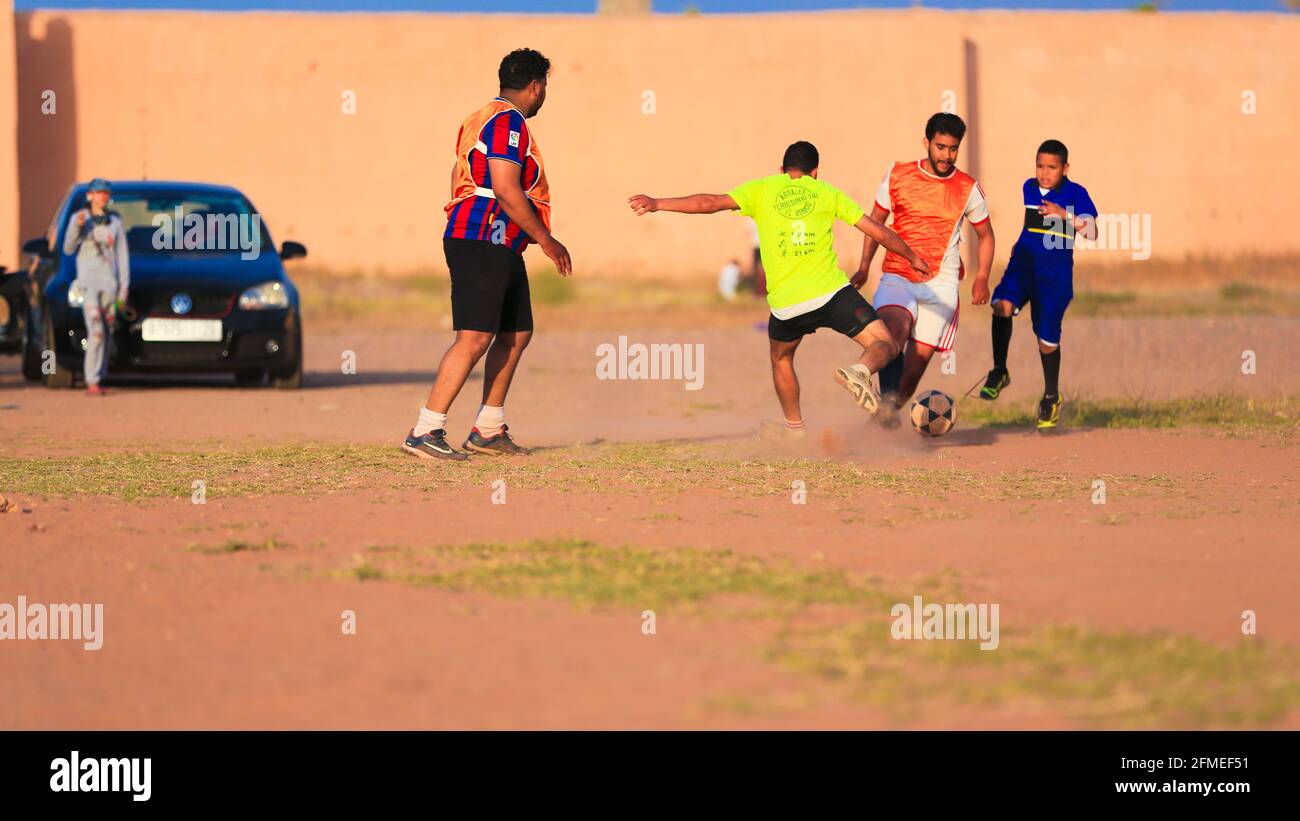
point(995, 384)
point(1049, 412)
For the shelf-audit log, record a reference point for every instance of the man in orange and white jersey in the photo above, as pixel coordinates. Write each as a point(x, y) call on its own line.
point(930, 200)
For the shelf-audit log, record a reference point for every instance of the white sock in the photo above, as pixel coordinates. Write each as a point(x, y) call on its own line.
point(490, 420)
point(794, 425)
point(429, 421)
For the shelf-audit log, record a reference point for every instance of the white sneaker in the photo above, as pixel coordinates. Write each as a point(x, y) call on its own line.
point(856, 379)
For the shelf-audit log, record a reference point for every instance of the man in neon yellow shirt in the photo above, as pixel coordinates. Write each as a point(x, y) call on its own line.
point(806, 289)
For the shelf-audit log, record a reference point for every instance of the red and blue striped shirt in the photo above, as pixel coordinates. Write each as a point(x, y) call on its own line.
point(498, 131)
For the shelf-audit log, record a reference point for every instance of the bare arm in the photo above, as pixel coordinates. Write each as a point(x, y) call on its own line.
point(979, 292)
point(892, 241)
point(869, 246)
point(694, 204)
point(510, 194)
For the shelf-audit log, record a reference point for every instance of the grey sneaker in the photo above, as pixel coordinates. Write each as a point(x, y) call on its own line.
point(499, 445)
point(432, 445)
point(857, 381)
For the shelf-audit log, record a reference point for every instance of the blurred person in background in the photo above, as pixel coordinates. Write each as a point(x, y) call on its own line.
point(98, 240)
point(729, 280)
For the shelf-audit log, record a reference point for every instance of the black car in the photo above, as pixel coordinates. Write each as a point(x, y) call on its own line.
point(208, 291)
point(13, 310)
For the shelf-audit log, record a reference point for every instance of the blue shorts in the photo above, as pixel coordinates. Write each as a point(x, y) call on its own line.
point(1047, 291)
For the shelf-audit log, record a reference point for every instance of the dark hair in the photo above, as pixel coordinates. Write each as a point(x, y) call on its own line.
point(801, 156)
point(945, 123)
point(1055, 147)
point(520, 67)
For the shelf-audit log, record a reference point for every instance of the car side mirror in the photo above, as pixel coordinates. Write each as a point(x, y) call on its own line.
point(39, 246)
point(292, 250)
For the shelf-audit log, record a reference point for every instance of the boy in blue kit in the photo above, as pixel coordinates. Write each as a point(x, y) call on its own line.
point(1041, 272)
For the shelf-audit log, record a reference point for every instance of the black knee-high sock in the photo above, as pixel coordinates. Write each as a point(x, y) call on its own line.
point(891, 375)
point(1001, 341)
point(1051, 371)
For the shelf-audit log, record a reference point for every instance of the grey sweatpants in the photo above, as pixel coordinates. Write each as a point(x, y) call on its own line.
point(98, 301)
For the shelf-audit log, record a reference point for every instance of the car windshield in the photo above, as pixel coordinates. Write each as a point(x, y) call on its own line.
point(190, 223)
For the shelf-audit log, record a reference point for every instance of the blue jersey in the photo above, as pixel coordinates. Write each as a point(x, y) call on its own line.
point(1050, 240)
point(1041, 269)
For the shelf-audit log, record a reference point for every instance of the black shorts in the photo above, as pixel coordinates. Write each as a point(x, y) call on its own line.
point(489, 287)
point(847, 312)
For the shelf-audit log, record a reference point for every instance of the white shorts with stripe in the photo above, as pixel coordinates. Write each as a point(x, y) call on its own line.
point(934, 307)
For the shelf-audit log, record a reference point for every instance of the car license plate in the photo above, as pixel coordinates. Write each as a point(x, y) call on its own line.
point(155, 329)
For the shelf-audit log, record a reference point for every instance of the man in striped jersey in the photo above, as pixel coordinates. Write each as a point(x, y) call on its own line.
point(500, 203)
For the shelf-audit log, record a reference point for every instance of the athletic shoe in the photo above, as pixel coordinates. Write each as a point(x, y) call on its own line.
point(995, 384)
point(858, 383)
point(499, 445)
point(1049, 412)
point(432, 445)
point(96, 390)
point(887, 413)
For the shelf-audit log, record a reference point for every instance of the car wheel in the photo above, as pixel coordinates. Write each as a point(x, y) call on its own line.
point(291, 380)
point(249, 377)
point(62, 377)
point(31, 354)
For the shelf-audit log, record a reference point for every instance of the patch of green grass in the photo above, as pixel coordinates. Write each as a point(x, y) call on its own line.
point(375, 298)
point(1101, 679)
point(1228, 414)
point(709, 406)
point(661, 517)
point(661, 469)
point(366, 571)
point(835, 629)
point(588, 574)
point(427, 283)
point(549, 288)
point(1243, 290)
point(1113, 297)
point(1096, 303)
point(237, 546)
point(258, 471)
point(412, 298)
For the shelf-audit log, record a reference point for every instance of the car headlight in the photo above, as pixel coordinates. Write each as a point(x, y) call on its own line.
point(266, 295)
point(76, 296)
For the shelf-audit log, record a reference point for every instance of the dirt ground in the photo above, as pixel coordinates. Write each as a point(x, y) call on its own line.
point(1197, 527)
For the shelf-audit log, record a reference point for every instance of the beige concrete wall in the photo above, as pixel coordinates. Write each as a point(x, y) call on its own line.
point(9, 234)
point(1149, 104)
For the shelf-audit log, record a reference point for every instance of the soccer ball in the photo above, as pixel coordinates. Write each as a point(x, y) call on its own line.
point(933, 413)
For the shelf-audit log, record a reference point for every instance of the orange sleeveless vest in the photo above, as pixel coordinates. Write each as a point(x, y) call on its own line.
point(926, 212)
point(469, 142)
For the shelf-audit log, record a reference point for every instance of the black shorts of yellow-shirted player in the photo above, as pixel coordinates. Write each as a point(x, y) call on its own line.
point(794, 213)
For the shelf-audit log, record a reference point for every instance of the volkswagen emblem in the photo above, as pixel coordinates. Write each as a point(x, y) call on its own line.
point(181, 304)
